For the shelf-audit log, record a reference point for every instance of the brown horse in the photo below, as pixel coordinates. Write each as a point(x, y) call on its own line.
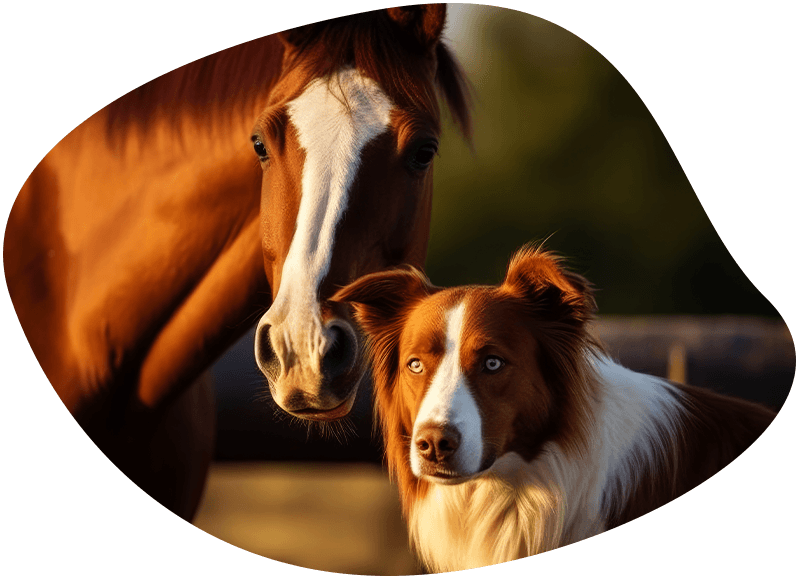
point(261, 177)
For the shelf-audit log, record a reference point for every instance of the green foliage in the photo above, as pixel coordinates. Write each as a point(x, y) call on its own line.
point(564, 147)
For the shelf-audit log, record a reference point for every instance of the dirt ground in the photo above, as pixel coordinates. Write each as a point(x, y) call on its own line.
point(332, 517)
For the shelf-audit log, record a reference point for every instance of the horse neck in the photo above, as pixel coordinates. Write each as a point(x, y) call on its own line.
point(152, 210)
point(180, 138)
point(213, 100)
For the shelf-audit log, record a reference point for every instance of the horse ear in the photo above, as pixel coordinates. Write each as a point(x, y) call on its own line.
point(553, 292)
point(424, 22)
point(380, 300)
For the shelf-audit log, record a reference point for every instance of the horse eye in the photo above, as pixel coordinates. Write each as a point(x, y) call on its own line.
point(492, 364)
point(415, 366)
point(259, 148)
point(423, 156)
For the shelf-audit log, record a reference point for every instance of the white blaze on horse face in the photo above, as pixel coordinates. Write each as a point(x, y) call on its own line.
point(450, 402)
point(334, 120)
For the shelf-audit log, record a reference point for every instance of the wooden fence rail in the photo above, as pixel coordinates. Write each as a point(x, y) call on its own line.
point(748, 357)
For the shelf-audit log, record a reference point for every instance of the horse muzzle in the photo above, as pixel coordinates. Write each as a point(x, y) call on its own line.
point(312, 375)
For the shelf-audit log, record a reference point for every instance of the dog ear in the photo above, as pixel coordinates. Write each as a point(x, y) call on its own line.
point(380, 300)
point(423, 23)
point(553, 292)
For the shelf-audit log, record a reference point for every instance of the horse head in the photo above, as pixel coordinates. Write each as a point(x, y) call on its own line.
point(346, 144)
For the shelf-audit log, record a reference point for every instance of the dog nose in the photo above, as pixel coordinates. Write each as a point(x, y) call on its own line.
point(436, 443)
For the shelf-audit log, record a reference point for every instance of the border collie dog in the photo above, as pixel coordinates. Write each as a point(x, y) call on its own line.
point(510, 432)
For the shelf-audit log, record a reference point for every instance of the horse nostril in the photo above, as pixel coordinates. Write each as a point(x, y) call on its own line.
point(341, 352)
point(266, 358)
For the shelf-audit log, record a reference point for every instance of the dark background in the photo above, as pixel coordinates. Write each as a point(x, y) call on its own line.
point(564, 148)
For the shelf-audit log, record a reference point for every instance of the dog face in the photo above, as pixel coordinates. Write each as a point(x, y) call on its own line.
point(470, 361)
point(464, 375)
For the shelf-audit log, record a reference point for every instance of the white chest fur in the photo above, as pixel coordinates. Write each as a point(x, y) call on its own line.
point(520, 509)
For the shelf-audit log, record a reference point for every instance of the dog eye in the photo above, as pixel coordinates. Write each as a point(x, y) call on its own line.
point(415, 366)
point(492, 364)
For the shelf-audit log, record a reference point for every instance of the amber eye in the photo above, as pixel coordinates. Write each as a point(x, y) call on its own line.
point(260, 148)
point(492, 364)
point(415, 366)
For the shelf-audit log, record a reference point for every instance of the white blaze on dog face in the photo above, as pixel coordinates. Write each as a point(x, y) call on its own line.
point(449, 402)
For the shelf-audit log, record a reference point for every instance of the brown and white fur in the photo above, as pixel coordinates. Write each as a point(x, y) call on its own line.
point(508, 429)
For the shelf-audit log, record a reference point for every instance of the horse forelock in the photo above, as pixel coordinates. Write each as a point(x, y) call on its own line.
point(372, 43)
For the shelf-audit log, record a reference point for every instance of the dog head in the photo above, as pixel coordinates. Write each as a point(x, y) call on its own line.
point(464, 375)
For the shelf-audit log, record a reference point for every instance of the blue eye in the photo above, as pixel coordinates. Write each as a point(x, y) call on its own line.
point(492, 364)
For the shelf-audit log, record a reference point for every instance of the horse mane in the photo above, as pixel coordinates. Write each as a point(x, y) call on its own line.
point(235, 79)
point(224, 82)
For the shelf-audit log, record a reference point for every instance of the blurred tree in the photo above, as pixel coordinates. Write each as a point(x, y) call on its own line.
point(565, 148)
